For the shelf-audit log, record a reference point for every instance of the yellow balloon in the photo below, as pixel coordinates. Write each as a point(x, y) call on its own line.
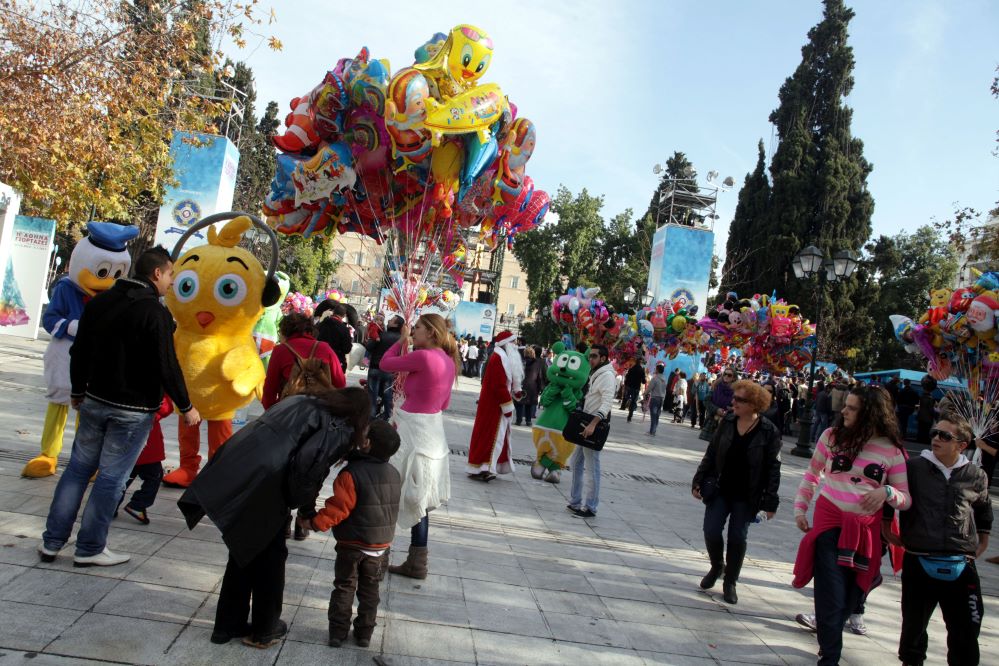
point(445, 165)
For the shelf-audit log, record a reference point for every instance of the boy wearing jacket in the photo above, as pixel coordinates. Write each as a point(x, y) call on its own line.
point(149, 469)
point(943, 532)
point(362, 512)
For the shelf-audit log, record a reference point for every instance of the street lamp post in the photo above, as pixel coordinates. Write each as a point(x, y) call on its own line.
point(808, 262)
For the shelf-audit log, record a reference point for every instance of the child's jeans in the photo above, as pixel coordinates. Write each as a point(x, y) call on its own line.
point(355, 571)
point(151, 474)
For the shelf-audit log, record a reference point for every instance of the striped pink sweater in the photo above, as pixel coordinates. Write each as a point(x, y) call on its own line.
point(880, 463)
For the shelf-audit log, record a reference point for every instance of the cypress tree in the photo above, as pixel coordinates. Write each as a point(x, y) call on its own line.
point(819, 181)
point(747, 259)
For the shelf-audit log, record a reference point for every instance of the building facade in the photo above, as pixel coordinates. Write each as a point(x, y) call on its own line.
point(360, 273)
point(513, 302)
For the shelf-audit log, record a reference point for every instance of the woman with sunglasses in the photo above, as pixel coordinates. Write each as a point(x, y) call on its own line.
point(863, 464)
point(738, 476)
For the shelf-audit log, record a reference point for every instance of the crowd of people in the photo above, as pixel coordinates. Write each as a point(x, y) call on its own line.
point(869, 496)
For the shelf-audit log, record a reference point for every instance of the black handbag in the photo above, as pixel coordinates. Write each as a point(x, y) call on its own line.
point(578, 421)
point(709, 488)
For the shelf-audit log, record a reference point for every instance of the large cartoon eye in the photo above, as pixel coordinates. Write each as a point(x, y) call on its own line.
point(561, 361)
point(466, 55)
point(119, 271)
point(574, 363)
point(186, 286)
point(482, 64)
point(230, 289)
point(103, 269)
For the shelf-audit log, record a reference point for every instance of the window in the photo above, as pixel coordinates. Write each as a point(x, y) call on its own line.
point(360, 259)
point(510, 310)
point(379, 260)
point(338, 255)
point(374, 290)
point(515, 282)
point(355, 286)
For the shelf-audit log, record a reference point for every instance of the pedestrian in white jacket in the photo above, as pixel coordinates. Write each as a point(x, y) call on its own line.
point(599, 401)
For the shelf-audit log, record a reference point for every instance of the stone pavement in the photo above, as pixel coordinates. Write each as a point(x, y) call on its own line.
point(514, 579)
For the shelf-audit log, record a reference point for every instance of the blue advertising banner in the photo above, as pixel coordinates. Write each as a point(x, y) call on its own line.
point(680, 265)
point(205, 170)
point(475, 319)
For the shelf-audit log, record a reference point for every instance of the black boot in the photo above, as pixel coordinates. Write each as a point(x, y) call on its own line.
point(733, 567)
point(716, 550)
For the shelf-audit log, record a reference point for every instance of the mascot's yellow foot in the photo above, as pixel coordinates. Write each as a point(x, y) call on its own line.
point(180, 477)
point(40, 467)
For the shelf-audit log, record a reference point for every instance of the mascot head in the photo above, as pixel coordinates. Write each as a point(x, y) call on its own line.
point(569, 368)
point(219, 287)
point(101, 257)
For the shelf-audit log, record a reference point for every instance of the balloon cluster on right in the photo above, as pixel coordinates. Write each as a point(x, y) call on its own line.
point(957, 335)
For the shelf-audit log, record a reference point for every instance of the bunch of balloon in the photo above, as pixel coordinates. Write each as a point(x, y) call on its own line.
point(297, 302)
point(583, 317)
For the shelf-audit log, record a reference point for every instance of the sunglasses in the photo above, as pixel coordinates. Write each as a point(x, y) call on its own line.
point(739, 399)
point(943, 436)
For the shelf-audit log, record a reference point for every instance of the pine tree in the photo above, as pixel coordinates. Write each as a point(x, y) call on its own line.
point(819, 181)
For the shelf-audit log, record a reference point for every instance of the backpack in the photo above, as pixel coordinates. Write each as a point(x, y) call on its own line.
point(311, 462)
point(309, 376)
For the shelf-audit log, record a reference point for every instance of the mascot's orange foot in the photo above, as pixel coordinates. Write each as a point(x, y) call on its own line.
point(180, 477)
point(40, 467)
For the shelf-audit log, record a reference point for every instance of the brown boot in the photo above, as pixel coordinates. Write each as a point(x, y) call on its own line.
point(415, 565)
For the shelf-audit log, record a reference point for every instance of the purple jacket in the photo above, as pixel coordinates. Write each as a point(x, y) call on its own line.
point(721, 397)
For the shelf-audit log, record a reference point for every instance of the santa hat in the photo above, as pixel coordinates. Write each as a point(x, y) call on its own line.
point(504, 338)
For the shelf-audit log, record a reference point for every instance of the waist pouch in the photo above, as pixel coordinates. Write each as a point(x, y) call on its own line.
point(945, 567)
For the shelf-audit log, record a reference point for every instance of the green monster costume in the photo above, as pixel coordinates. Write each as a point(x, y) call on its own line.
point(265, 333)
point(566, 378)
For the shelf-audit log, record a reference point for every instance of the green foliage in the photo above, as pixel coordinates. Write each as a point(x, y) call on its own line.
point(713, 280)
point(308, 261)
point(746, 258)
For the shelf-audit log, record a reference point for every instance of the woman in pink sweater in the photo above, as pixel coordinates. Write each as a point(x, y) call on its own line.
point(863, 464)
point(422, 459)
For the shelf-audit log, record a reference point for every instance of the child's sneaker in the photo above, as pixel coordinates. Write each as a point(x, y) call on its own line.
point(856, 625)
point(806, 620)
point(138, 514)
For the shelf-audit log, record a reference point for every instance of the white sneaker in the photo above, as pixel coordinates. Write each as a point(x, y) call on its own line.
point(856, 625)
point(45, 554)
point(104, 559)
point(806, 620)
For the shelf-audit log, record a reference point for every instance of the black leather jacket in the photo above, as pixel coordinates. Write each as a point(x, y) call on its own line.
point(946, 516)
point(764, 461)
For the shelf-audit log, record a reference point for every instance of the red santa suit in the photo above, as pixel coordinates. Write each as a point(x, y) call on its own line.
point(489, 450)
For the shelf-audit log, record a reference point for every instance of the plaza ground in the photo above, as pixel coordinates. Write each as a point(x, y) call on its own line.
point(515, 579)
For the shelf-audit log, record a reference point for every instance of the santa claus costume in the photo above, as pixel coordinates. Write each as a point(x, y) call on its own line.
point(489, 450)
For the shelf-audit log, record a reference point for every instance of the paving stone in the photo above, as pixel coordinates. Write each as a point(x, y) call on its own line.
point(484, 592)
point(440, 642)
point(179, 573)
point(112, 638)
point(416, 608)
point(32, 627)
point(58, 589)
point(193, 648)
point(152, 602)
point(574, 628)
point(508, 620)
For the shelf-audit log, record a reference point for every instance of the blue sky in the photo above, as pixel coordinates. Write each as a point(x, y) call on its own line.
point(615, 87)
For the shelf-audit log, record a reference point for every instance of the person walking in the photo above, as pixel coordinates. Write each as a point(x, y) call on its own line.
point(679, 397)
point(703, 394)
point(655, 393)
point(738, 476)
point(943, 533)
point(634, 380)
point(277, 461)
point(908, 401)
point(599, 401)
point(863, 464)
point(822, 414)
point(472, 360)
point(380, 382)
point(120, 363)
point(432, 369)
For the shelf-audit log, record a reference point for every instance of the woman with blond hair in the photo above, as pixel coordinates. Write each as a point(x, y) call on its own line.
point(422, 460)
point(738, 477)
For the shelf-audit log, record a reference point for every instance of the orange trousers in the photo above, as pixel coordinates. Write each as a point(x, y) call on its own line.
point(190, 442)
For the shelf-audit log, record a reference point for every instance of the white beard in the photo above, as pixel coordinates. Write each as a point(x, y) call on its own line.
point(513, 366)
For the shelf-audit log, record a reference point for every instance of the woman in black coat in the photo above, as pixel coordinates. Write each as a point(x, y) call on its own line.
point(738, 476)
point(534, 384)
point(275, 463)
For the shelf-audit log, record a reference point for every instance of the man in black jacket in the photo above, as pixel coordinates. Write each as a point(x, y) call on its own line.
point(380, 382)
point(943, 532)
point(334, 332)
point(633, 383)
point(122, 360)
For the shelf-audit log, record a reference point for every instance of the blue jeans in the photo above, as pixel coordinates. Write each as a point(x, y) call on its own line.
point(655, 409)
point(836, 596)
point(107, 439)
point(819, 424)
point(380, 385)
point(586, 458)
point(738, 513)
point(420, 532)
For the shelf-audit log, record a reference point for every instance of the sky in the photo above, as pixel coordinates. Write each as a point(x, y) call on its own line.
point(616, 87)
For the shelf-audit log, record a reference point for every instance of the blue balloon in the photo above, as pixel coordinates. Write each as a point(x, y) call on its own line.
point(478, 156)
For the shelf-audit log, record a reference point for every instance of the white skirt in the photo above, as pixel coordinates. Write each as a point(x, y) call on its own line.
point(422, 461)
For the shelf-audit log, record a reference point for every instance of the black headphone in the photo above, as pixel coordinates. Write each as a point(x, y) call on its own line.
point(272, 290)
